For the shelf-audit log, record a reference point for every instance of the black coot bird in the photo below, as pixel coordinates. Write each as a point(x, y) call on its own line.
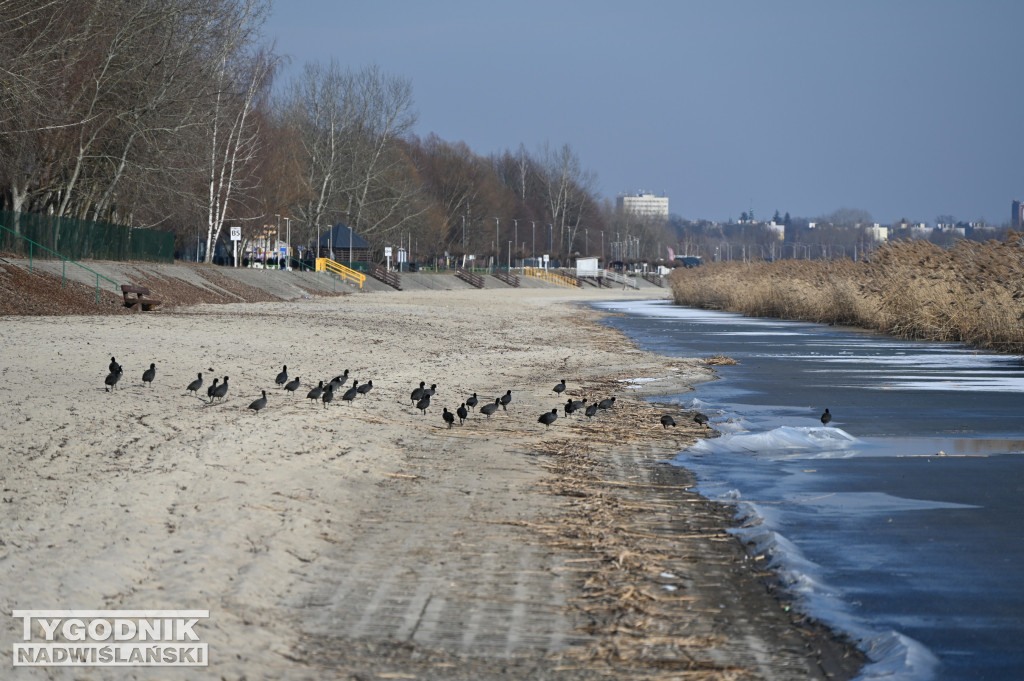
point(606, 403)
point(591, 410)
point(292, 385)
point(328, 394)
point(423, 404)
point(490, 408)
point(560, 387)
point(195, 385)
point(316, 392)
point(701, 420)
point(110, 382)
point(417, 394)
point(366, 387)
point(579, 405)
point(461, 411)
point(505, 400)
point(667, 421)
point(448, 417)
point(826, 417)
point(429, 392)
point(282, 377)
point(548, 417)
point(339, 380)
point(256, 405)
point(569, 407)
point(114, 366)
point(472, 402)
point(351, 393)
point(221, 390)
point(209, 391)
point(149, 374)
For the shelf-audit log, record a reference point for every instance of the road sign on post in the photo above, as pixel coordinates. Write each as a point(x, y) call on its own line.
point(387, 256)
point(236, 236)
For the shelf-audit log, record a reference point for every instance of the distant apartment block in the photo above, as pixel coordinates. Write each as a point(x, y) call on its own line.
point(644, 204)
point(1017, 219)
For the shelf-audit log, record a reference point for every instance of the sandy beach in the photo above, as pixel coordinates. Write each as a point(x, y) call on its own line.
point(367, 539)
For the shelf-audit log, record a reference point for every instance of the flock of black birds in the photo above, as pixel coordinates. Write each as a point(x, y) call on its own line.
point(420, 397)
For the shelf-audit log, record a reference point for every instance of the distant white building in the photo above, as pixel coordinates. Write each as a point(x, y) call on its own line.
point(878, 232)
point(644, 204)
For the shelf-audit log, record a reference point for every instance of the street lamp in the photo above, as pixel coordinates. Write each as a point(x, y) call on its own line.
point(497, 244)
point(515, 231)
point(533, 249)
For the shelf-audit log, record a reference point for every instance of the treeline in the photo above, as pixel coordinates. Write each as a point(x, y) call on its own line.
point(971, 293)
point(166, 115)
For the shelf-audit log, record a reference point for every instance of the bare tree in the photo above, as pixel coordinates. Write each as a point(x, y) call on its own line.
point(567, 190)
point(351, 125)
point(379, 185)
point(234, 132)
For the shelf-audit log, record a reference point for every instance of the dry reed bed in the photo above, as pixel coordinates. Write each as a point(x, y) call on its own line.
point(972, 293)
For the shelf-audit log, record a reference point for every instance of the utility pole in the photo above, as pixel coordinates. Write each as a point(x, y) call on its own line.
point(515, 223)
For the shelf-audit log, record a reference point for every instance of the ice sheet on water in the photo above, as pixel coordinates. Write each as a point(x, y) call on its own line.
point(784, 441)
point(892, 655)
point(959, 382)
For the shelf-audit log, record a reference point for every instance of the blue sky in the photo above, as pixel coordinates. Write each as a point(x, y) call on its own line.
point(903, 108)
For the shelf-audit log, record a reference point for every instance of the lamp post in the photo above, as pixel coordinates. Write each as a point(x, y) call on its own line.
point(463, 233)
point(533, 248)
point(497, 244)
point(288, 252)
point(266, 258)
point(515, 232)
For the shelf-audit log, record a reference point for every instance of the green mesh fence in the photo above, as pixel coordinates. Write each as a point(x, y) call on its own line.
point(84, 240)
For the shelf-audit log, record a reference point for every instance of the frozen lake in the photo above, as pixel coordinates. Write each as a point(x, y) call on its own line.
point(899, 522)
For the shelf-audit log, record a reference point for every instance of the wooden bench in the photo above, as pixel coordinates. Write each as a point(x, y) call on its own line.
point(137, 298)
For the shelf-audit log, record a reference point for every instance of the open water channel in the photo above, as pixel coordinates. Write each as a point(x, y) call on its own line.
point(901, 522)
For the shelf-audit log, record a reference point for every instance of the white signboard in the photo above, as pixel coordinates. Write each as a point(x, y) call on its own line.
point(236, 233)
point(387, 251)
point(586, 267)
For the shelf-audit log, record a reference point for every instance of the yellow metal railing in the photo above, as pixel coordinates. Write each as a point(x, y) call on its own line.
point(549, 276)
point(346, 273)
